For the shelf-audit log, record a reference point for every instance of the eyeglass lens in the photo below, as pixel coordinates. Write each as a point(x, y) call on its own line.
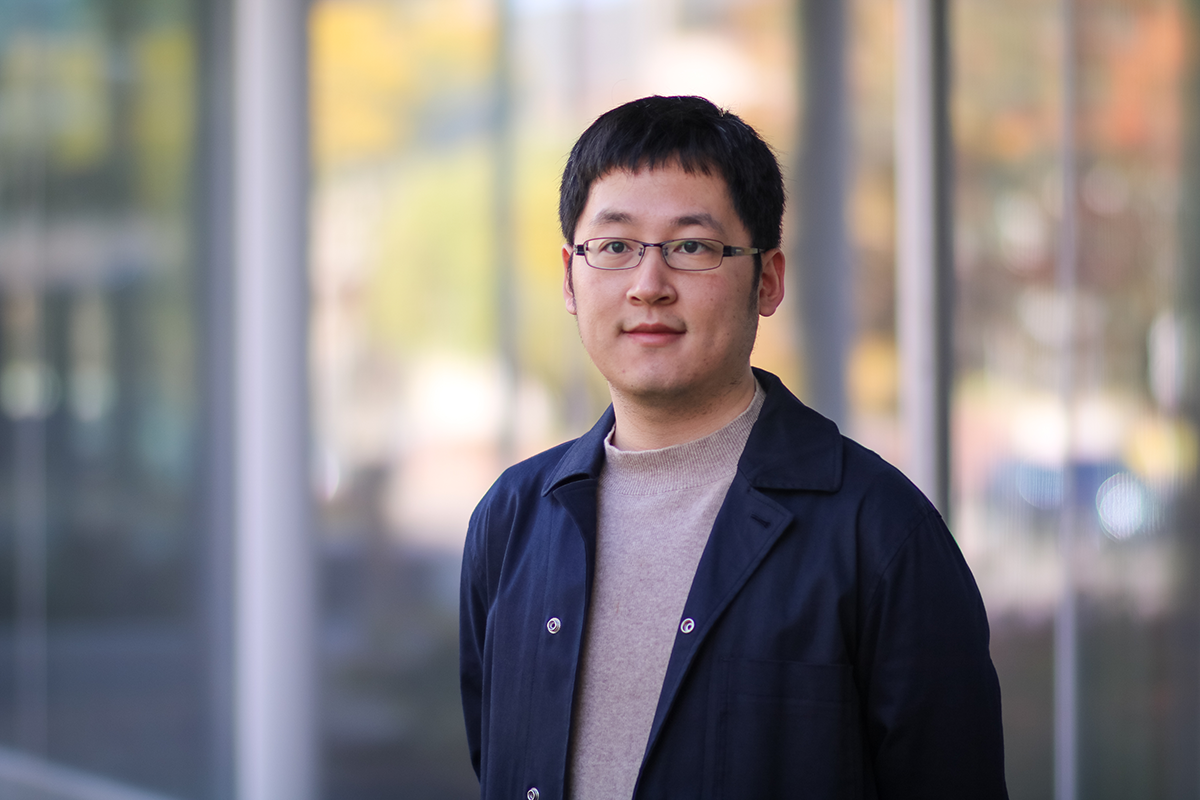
point(686, 254)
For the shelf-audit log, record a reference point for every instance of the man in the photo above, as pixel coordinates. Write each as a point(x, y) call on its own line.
point(712, 593)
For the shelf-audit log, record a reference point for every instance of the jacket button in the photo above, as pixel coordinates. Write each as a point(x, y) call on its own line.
point(688, 625)
point(533, 794)
point(554, 625)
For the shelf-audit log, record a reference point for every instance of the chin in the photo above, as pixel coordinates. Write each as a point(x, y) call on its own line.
point(653, 389)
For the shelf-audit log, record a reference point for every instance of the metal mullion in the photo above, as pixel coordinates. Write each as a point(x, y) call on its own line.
point(1066, 638)
point(825, 261)
point(924, 253)
point(275, 604)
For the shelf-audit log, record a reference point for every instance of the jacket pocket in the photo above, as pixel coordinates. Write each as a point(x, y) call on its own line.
point(785, 729)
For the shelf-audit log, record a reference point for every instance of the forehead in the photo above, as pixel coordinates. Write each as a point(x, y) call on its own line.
point(666, 194)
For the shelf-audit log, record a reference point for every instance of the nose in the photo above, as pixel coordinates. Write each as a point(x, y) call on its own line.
point(653, 281)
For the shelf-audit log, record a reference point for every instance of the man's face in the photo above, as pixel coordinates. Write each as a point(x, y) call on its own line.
point(660, 335)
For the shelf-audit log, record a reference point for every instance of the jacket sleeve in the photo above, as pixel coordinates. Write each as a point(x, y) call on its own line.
point(932, 699)
point(472, 627)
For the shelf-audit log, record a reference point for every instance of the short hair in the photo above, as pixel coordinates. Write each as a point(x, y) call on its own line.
point(691, 131)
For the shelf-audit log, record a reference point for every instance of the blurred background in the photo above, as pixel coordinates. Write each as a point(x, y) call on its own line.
point(994, 282)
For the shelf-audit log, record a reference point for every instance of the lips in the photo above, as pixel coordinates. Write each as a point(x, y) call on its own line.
point(654, 333)
point(656, 327)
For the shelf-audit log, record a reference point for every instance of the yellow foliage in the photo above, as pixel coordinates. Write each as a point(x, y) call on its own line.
point(377, 63)
point(434, 284)
point(873, 374)
point(81, 134)
point(55, 91)
point(1162, 450)
point(164, 112)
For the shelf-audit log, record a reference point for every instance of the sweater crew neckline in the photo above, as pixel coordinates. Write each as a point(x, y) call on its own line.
point(681, 466)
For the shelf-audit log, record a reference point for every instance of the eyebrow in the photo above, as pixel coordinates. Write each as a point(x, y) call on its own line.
point(607, 215)
point(701, 218)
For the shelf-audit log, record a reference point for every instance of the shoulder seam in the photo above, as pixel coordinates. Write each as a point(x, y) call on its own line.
point(920, 520)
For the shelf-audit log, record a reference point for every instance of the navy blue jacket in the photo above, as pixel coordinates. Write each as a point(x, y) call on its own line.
point(839, 646)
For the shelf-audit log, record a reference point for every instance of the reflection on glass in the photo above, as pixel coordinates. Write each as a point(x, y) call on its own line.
point(413, 398)
point(102, 655)
point(1112, 455)
point(419, 404)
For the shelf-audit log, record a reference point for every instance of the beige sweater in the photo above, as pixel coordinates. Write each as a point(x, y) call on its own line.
point(655, 511)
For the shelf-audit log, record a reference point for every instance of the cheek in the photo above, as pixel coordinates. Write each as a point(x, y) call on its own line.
point(590, 317)
point(726, 317)
point(734, 324)
point(594, 301)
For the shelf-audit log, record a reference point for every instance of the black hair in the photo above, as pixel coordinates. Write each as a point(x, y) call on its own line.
point(692, 132)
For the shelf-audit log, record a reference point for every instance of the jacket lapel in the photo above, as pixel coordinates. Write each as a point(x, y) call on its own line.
point(747, 526)
point(578, 499)
point(791, 448)
point(573, 485)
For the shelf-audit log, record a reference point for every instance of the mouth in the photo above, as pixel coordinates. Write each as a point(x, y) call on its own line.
point(654, 333)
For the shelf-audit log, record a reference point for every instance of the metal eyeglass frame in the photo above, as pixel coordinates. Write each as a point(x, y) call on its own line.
point(727, 251)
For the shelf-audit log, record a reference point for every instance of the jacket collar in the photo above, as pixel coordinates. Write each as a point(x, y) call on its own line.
point(584, 458)
point(791, 447)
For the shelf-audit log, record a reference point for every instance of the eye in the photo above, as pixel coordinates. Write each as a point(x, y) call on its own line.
point(615, 247)
point(693, 247)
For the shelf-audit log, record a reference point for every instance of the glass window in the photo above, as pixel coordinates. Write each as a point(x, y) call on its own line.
point(441, 352)
point(441, 348)
point(1075, 444)
point(103, 657)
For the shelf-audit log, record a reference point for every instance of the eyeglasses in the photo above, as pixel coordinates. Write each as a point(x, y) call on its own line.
point(692, 255)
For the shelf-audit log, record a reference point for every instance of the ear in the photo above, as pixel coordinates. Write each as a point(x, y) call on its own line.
point(770, 284)
point(568, 256)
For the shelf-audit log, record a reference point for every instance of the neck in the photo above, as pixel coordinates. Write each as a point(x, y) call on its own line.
point(654, 422)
